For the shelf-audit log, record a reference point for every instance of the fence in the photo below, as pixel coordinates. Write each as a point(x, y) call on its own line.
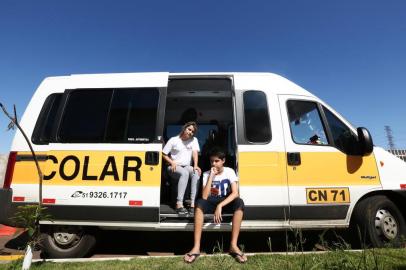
point(399, 153)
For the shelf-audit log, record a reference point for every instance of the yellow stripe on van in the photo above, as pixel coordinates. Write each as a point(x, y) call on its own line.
point(90, 168)
point(262, 169)
point(316, 169)
point(333, 169)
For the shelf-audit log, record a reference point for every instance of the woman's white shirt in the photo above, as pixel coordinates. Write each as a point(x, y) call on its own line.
point(181, 151)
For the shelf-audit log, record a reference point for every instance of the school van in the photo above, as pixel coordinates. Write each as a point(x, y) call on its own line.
point(99, 140)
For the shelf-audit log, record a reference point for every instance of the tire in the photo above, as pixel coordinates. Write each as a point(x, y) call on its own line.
point(377, 222)
point(67, 242)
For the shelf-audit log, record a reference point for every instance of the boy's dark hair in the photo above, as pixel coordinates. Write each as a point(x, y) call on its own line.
point(217, 152)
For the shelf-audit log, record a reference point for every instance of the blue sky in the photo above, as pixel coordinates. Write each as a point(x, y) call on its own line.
point(349, 53)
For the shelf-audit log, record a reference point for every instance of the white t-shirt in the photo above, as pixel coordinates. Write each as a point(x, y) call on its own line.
point(221, 184)
point(181, 151)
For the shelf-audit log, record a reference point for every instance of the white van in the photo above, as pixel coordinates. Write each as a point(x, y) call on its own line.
point(99, 140)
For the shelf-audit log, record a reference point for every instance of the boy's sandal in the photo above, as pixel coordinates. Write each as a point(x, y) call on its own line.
point(239, 257)
point(182, 211)
point(193, 257)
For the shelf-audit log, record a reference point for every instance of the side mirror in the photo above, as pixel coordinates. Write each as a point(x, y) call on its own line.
point(365, 144)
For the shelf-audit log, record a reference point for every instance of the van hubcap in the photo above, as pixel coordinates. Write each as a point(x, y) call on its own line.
point(65, 239)
point(385, 224)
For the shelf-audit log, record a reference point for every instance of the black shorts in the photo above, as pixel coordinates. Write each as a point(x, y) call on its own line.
point(209, 206)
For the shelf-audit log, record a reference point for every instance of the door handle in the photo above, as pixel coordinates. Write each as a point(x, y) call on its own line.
point(294, 158)
point(151, 158)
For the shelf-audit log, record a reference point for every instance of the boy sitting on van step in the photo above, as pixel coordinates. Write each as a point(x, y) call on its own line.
point(220, 194)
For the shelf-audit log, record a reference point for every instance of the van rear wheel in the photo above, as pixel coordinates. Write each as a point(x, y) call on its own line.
point(378, 222)
point(67, 242)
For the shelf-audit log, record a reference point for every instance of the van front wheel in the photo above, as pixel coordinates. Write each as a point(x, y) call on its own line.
point(378, 222)
point(67, 242)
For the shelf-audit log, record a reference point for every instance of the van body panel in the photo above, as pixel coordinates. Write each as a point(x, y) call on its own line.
point(87, 168)
point(88, 195)
point(101, 168)
point(96, 177)
point(272, 83)
point(259, 225)
point(25, 171)
point(391, 169)
point(333, 168)
point(61, 84)
point(261, 166)
point(262, 169)
point(109, 185)
point(324, 175)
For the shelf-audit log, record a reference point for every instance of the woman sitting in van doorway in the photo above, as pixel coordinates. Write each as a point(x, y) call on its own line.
point(182, 149)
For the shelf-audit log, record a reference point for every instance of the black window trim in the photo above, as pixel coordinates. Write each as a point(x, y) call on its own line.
point(330, 133)
point(57, 126)
point(108, 115)
point(160, 114)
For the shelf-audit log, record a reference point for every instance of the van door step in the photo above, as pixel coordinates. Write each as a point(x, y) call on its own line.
point(168, 214)
point(190, 218)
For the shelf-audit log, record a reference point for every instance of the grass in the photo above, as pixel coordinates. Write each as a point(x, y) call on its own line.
point(367, 259)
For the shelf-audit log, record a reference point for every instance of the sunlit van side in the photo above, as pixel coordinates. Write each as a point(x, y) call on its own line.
point(99, 139)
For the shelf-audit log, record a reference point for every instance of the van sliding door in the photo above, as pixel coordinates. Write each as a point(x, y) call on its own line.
point(105, 163)
point(261, 171)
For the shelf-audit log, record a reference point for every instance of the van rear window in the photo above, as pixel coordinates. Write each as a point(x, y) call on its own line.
point(46, 120)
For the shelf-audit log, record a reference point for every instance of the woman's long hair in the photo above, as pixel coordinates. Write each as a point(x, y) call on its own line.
point(191, 123)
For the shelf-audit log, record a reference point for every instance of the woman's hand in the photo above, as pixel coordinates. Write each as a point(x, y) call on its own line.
point(217, 214)
point(199, 171)
point(173, 166)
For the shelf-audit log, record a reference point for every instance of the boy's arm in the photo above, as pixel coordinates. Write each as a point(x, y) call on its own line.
point(234, 194)
point(207, 187)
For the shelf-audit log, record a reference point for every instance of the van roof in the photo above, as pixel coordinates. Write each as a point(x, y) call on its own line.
point(242, 80)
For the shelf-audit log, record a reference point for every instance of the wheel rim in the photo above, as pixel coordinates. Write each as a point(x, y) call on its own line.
point(66, 239)
point(385, 224)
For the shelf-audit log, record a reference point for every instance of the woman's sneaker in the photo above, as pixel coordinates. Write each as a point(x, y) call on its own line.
point(182, 211)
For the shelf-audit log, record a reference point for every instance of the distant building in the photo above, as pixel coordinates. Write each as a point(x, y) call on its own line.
point(399, 153)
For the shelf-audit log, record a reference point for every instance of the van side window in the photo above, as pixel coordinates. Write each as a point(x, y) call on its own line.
point(110, 116)
point(46, 120)
point(305, 123)
point(344, 138)
point(133, 115)
point(85, 116)
point(256, 117)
